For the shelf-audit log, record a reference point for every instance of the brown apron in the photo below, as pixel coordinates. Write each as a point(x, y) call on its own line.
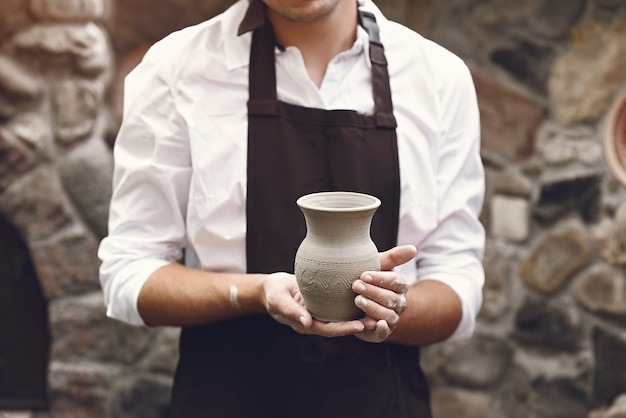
point(254, 366)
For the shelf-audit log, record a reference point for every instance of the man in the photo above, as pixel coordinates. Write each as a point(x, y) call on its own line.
point(225, 125)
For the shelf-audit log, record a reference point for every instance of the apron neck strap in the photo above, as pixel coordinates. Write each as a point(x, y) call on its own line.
point(380, 73)
point(262, 81)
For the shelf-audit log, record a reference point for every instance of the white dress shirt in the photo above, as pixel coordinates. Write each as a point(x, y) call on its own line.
point(181, 152)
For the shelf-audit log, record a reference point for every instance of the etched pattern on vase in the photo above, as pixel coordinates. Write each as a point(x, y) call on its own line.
point(331, 281)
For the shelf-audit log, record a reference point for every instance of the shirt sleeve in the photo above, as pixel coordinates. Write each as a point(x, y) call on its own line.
point(150, 186)
point(452, 253)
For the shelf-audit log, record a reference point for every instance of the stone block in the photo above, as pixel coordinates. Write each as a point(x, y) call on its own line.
point(448, 402)
point(16, 82)
point(33, 129)
point(512, 183)
point(476, 363)
point(162, 356)
point(559, 398)
point(615, 137)
point(563, 251)
point(69, 10)
point(510, 398)
point(36, 204)
point(609, 242)
point(550, 325)
point(497, 289)
point(509, 118)
point(83, 48)
point(75, 107)
point(81, 331)
point(554, 19)
point(141, 396)
point(81, 389)
point(86, 173)
point(609, 236)
point(509, 218)
point(584, 79)
point(19, 89)
point(559, 145)
point(67, 263)
point(602, 289)
point(15, 160)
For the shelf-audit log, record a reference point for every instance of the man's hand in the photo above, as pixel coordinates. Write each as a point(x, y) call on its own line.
point(381, 295)
point(284, 302)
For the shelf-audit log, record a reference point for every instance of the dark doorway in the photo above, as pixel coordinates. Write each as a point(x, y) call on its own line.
point(24, 333)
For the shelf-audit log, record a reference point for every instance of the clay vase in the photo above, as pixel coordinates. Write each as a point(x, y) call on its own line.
point(336, 250)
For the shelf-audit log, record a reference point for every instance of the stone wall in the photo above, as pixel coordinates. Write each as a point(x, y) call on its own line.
point(57, 69)
point(550, 340)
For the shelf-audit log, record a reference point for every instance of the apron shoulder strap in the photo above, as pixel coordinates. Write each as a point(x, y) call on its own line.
point(380, 72)
point(262, 75)
point(368, 22)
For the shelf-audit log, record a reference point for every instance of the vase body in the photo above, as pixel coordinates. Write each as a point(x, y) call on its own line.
point(337, 248)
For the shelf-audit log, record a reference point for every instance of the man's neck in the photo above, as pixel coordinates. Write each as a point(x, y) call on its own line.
point(320, 40)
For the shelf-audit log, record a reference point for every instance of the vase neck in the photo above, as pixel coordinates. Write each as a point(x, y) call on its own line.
point(333, 226)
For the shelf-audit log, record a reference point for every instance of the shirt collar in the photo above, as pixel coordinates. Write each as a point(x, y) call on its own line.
point(236, 47)
point(240, 20)
point(361, 45)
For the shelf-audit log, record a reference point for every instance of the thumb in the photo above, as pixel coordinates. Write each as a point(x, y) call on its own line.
point(397, 256)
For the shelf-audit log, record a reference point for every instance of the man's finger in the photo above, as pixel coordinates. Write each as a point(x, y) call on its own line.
point(397, 256)
point(337, 329)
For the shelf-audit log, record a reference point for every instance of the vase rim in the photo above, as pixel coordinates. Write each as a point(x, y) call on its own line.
point(338, 201)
